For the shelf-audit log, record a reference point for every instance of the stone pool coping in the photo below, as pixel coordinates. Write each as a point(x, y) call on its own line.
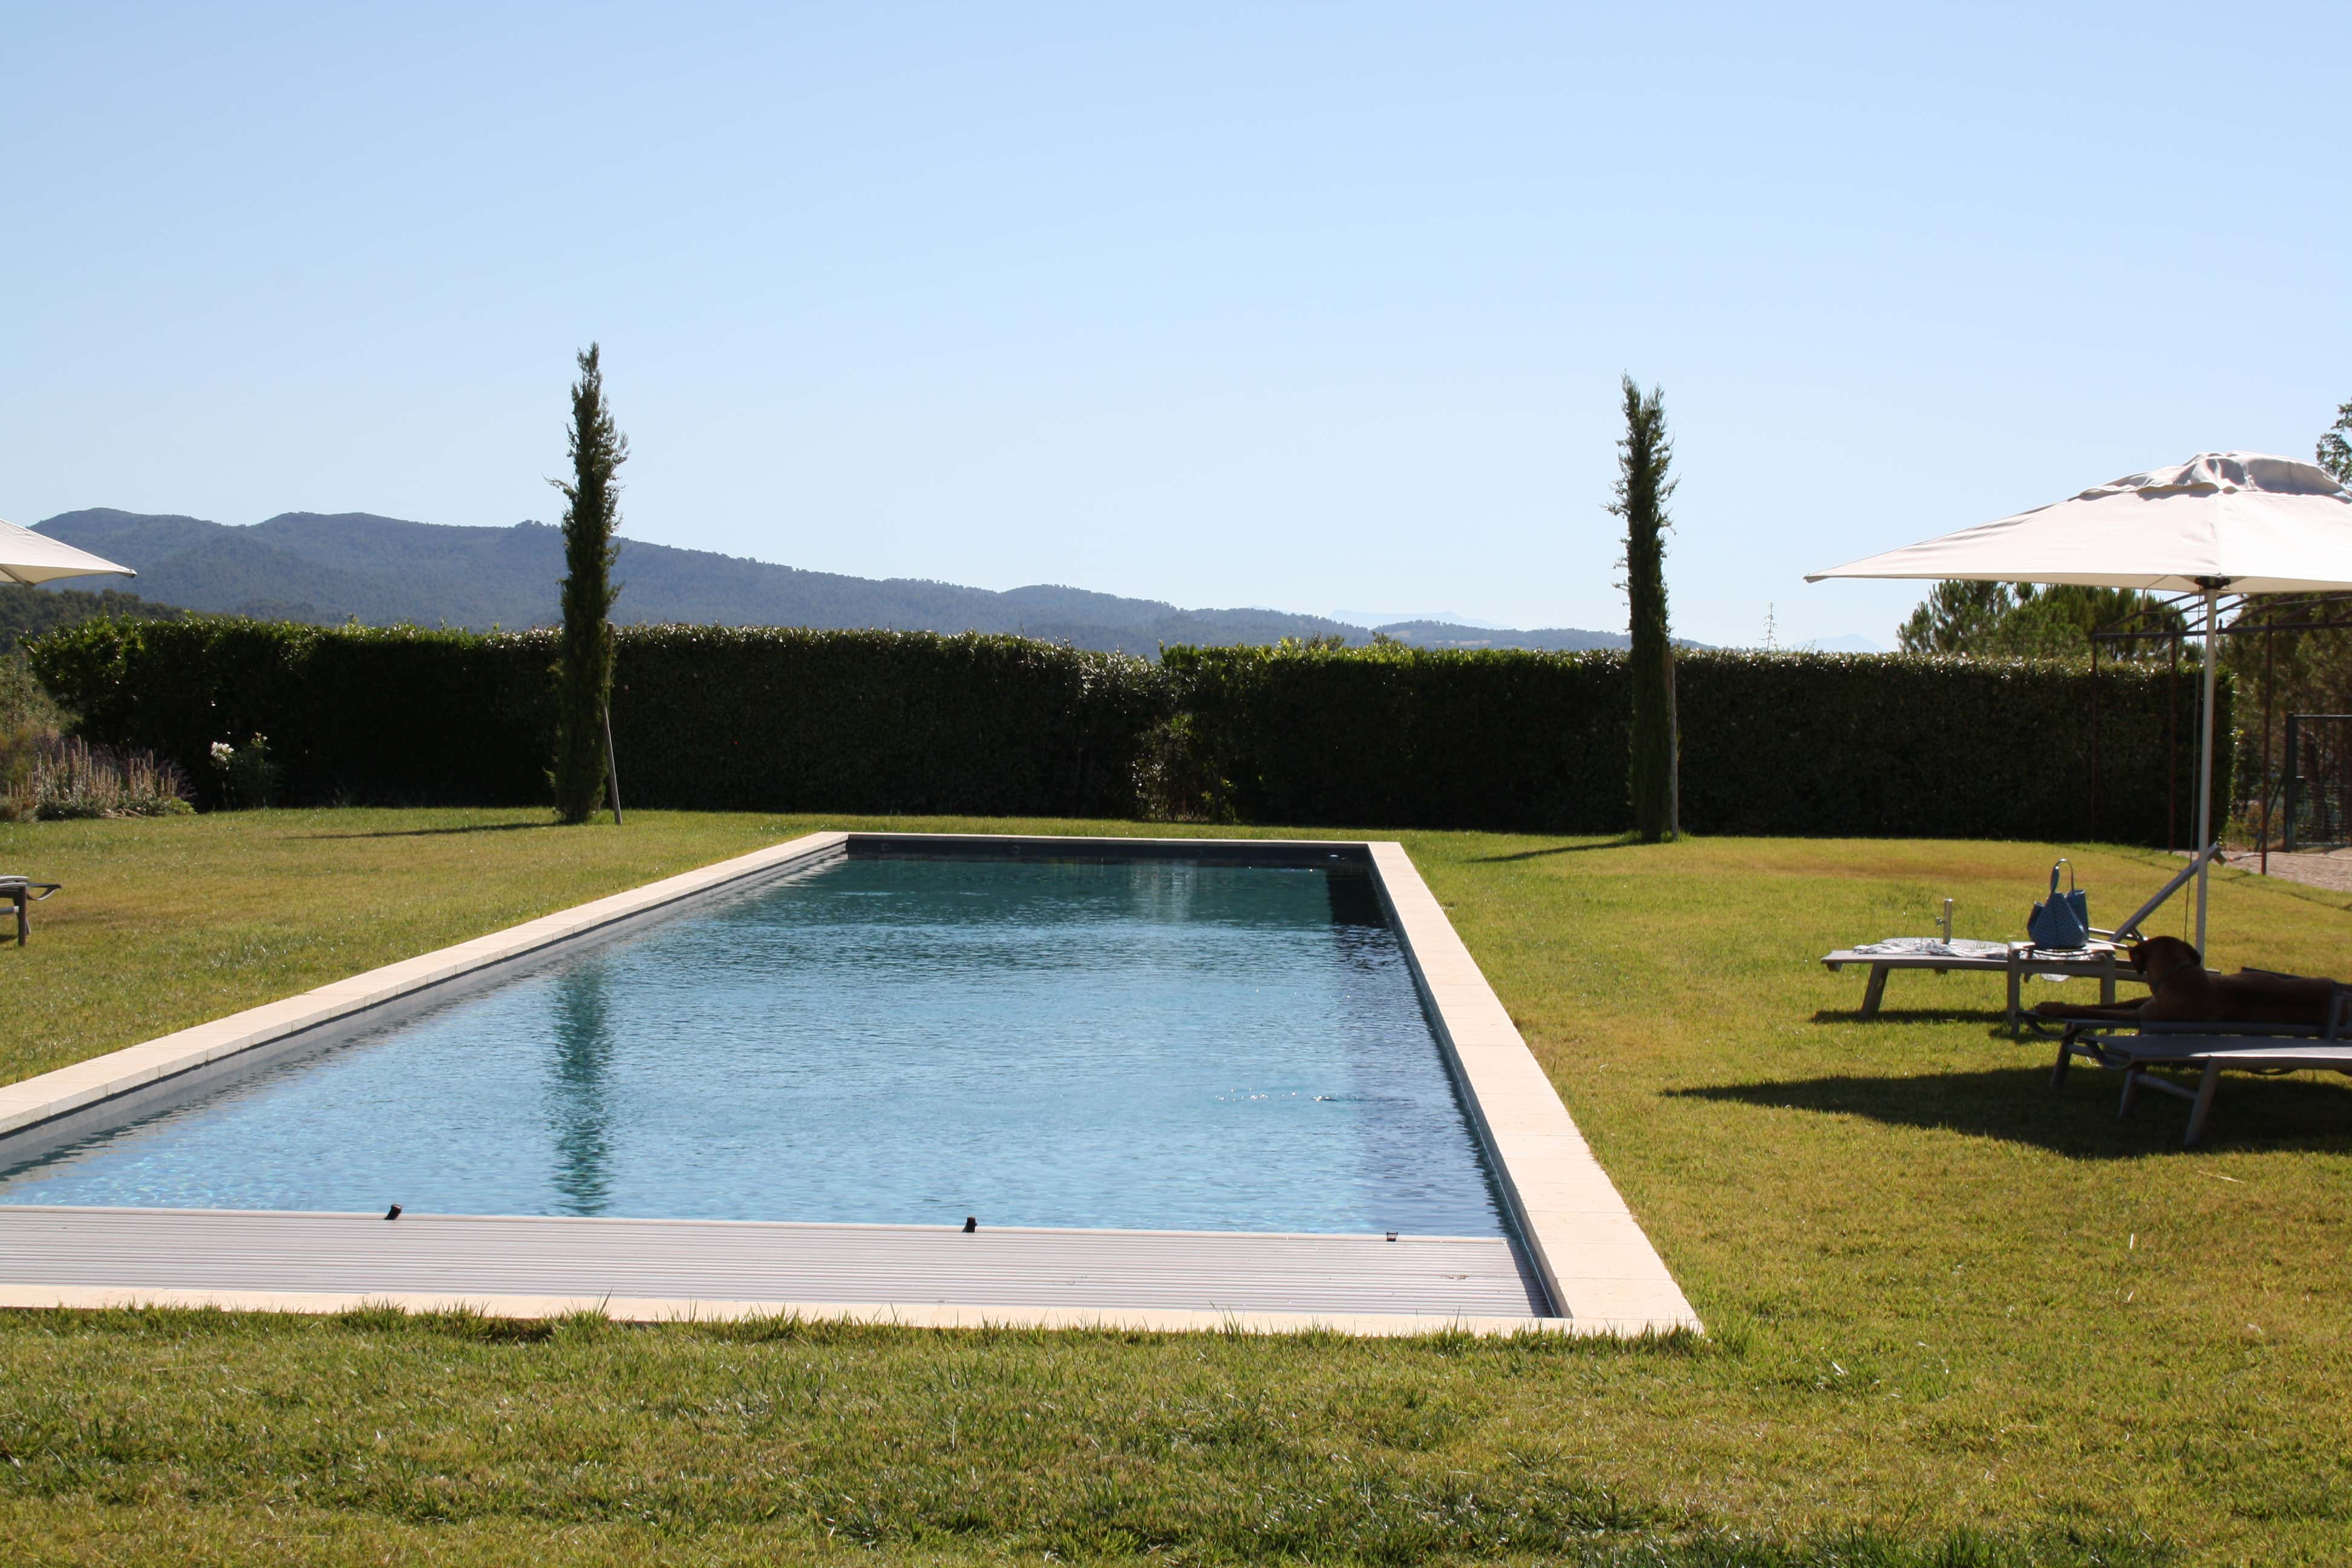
point(983, 1275)
point(1594, 1261)
point(696, 1310)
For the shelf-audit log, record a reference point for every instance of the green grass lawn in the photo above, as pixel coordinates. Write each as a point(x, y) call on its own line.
point(1957, 1318)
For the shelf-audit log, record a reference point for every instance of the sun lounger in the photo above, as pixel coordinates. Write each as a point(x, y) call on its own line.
point(24, 892)
point(2100, 961)
point(2208, 1049)
point(2105, 958)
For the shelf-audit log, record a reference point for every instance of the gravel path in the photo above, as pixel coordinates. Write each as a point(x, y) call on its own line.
point(2331, 870)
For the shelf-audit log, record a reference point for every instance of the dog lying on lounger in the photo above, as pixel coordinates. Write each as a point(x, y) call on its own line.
point(2182, 990)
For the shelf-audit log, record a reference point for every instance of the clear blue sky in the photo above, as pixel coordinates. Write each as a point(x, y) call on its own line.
point(1301, 306)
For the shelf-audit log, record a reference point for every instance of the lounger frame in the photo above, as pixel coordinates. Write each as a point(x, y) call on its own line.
point(2209, 1049)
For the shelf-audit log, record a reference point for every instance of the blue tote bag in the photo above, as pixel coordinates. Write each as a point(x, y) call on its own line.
point(2062, 922)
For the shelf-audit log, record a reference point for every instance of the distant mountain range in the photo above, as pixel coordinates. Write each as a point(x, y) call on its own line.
point(313, 567)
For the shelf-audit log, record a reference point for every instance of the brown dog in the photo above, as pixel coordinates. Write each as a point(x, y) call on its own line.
point(2182, 990)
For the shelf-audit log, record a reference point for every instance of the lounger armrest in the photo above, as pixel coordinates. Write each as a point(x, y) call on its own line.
point(2181, 1048)
point(2226, 1028)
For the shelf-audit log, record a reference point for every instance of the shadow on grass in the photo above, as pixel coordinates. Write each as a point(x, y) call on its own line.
point(443, 832)
point(2079, 1120)
point(1994, 1017)
point(1624, 841)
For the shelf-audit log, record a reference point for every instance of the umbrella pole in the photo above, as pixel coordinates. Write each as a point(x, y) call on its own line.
point(2205, 772)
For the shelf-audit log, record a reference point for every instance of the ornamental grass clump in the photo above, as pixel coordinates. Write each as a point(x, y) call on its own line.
point(66, 779)
point(44, 775)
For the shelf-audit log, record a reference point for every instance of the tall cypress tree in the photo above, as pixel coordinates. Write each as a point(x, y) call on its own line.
point(584, 673)
point(1643, 457)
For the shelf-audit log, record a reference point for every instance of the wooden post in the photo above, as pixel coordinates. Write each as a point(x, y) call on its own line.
point(2270, 651)
point(2172, 754)
point(2095, 733)
point(2342, 783)
point(612, 768)
point(2287, 833)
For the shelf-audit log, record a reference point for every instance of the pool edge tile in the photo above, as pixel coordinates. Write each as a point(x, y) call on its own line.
point(913, 1315)
point(1566, 1208)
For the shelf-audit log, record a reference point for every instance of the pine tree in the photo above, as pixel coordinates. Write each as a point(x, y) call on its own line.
point(1643, 488)
point(584, 673)
point(1955, 617)
point(2335, 453)
point(2028, 622)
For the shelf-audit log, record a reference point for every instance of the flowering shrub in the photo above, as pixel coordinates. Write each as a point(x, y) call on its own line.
point(247, 777)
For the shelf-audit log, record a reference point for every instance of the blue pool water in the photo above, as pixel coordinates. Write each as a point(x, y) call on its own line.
point(1162, 1045)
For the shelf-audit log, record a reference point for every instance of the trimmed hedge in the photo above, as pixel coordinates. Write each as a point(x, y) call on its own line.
point(782, 719)
point(1889, 745)
point(383, 717)
point(703, 717)
point(758, 717)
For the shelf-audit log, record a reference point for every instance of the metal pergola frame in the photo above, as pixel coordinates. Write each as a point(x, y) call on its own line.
point(2287, 757)
point(2248, 615)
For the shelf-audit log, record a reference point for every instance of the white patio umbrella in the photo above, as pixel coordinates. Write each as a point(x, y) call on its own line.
point(28, 557)
point(2223, 522)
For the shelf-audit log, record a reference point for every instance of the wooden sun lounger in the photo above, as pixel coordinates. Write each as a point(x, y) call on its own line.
point(2208, 1047)
point(2102, 960)
point(2099, 960)
point(24, 892)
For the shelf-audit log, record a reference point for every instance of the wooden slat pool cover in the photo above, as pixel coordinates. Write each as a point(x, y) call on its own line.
point(196, 1250)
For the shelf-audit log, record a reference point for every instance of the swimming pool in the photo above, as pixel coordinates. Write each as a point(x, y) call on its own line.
point(1179, 1083)
point(1149, 1044)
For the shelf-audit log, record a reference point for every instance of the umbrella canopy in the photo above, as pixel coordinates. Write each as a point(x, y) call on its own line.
point(28, 557)
point(2235, 522)
point(2238, 520)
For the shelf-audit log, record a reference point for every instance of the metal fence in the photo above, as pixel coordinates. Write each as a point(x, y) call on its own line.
point(2318, 780)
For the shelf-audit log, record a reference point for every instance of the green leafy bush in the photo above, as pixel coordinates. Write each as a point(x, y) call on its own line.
point(29, 719)
point(1388, 736)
